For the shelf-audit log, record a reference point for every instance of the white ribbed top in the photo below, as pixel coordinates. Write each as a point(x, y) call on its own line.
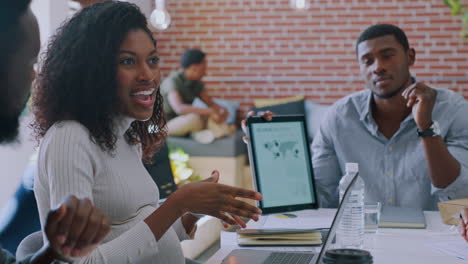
point(118, 184)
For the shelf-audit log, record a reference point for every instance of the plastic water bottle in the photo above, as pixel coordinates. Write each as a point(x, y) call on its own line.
point(351, 230)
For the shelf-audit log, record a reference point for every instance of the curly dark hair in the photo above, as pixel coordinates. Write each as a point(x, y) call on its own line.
point(77, 80)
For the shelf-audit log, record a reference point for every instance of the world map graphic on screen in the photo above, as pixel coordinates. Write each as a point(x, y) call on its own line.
point(282, 149)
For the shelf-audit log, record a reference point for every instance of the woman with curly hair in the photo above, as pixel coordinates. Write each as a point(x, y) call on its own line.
point(99, 111)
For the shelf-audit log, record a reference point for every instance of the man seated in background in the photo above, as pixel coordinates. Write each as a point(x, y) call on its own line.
point(180, 90)
point(76, 227)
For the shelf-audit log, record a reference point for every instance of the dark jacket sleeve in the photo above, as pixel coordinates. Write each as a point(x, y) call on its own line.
point(7, 258)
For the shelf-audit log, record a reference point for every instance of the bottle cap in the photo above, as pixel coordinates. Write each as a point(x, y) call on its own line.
point(352, 167)
point(347, 256)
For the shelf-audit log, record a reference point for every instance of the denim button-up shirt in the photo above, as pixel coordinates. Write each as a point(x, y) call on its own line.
point(394, 170)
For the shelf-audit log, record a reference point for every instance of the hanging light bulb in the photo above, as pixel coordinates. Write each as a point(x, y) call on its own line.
point(299, 4)
point(160, 18)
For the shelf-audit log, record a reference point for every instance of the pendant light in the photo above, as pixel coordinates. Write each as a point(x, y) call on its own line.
point(299, 4)
point(160, 18)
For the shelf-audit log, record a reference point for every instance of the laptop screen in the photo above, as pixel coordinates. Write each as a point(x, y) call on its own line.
point(281, 163)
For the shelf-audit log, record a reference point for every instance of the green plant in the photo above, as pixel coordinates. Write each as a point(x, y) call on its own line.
point(458, 9)
point(179, 160)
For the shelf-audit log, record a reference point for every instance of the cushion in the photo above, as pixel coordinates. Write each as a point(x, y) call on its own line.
point(269, 102)
point(291, 108)
point(313, 112)
point(230, 146)
point(230, 105)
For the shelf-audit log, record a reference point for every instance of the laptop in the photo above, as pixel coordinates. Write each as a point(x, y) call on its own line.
point(280, 163)
point(252, 256)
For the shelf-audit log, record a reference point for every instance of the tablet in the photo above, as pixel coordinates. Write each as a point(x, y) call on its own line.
point(281, 164)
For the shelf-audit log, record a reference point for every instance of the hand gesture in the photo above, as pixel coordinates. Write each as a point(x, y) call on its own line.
point(421, 98)
point(219, 200)
point(267, 115)
point(76, 227)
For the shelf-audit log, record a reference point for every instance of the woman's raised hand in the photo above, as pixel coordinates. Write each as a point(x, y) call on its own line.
point(218, 200)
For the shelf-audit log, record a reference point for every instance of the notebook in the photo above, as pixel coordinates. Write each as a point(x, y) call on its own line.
point(252, 256)
point(280, 163)
point(401, 217)
point(278, 237)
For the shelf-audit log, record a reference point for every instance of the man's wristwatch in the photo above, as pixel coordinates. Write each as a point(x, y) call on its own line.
point(432, 131)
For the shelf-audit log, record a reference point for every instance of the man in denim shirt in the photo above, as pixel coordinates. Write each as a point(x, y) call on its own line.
point(76, 227)
point(410, 140)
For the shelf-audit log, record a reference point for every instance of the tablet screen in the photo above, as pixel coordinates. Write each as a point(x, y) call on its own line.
point(282, 164)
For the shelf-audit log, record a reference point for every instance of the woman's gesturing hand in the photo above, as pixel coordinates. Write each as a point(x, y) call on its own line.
point(218, 200)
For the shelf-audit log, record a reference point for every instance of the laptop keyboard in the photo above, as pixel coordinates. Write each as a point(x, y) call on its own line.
point(289, 258)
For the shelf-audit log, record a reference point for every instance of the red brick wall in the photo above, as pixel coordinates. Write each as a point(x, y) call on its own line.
point(263, 48)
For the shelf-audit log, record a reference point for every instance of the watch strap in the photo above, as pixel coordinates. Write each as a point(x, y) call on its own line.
point(432, 131)
point(426, 133)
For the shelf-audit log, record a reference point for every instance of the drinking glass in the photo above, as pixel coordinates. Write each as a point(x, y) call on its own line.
point(371, 223)
point(372, 217)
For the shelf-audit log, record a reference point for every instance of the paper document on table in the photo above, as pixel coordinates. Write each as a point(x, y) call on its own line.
point(457, 248)
point(305, 219)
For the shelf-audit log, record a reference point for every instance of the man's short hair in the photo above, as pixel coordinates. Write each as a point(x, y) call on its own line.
point(10, 12)
point(380, 30)
point(191, 56)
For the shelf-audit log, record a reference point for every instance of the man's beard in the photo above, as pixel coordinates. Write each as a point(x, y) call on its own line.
point(390, 95)
point(9, 128)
